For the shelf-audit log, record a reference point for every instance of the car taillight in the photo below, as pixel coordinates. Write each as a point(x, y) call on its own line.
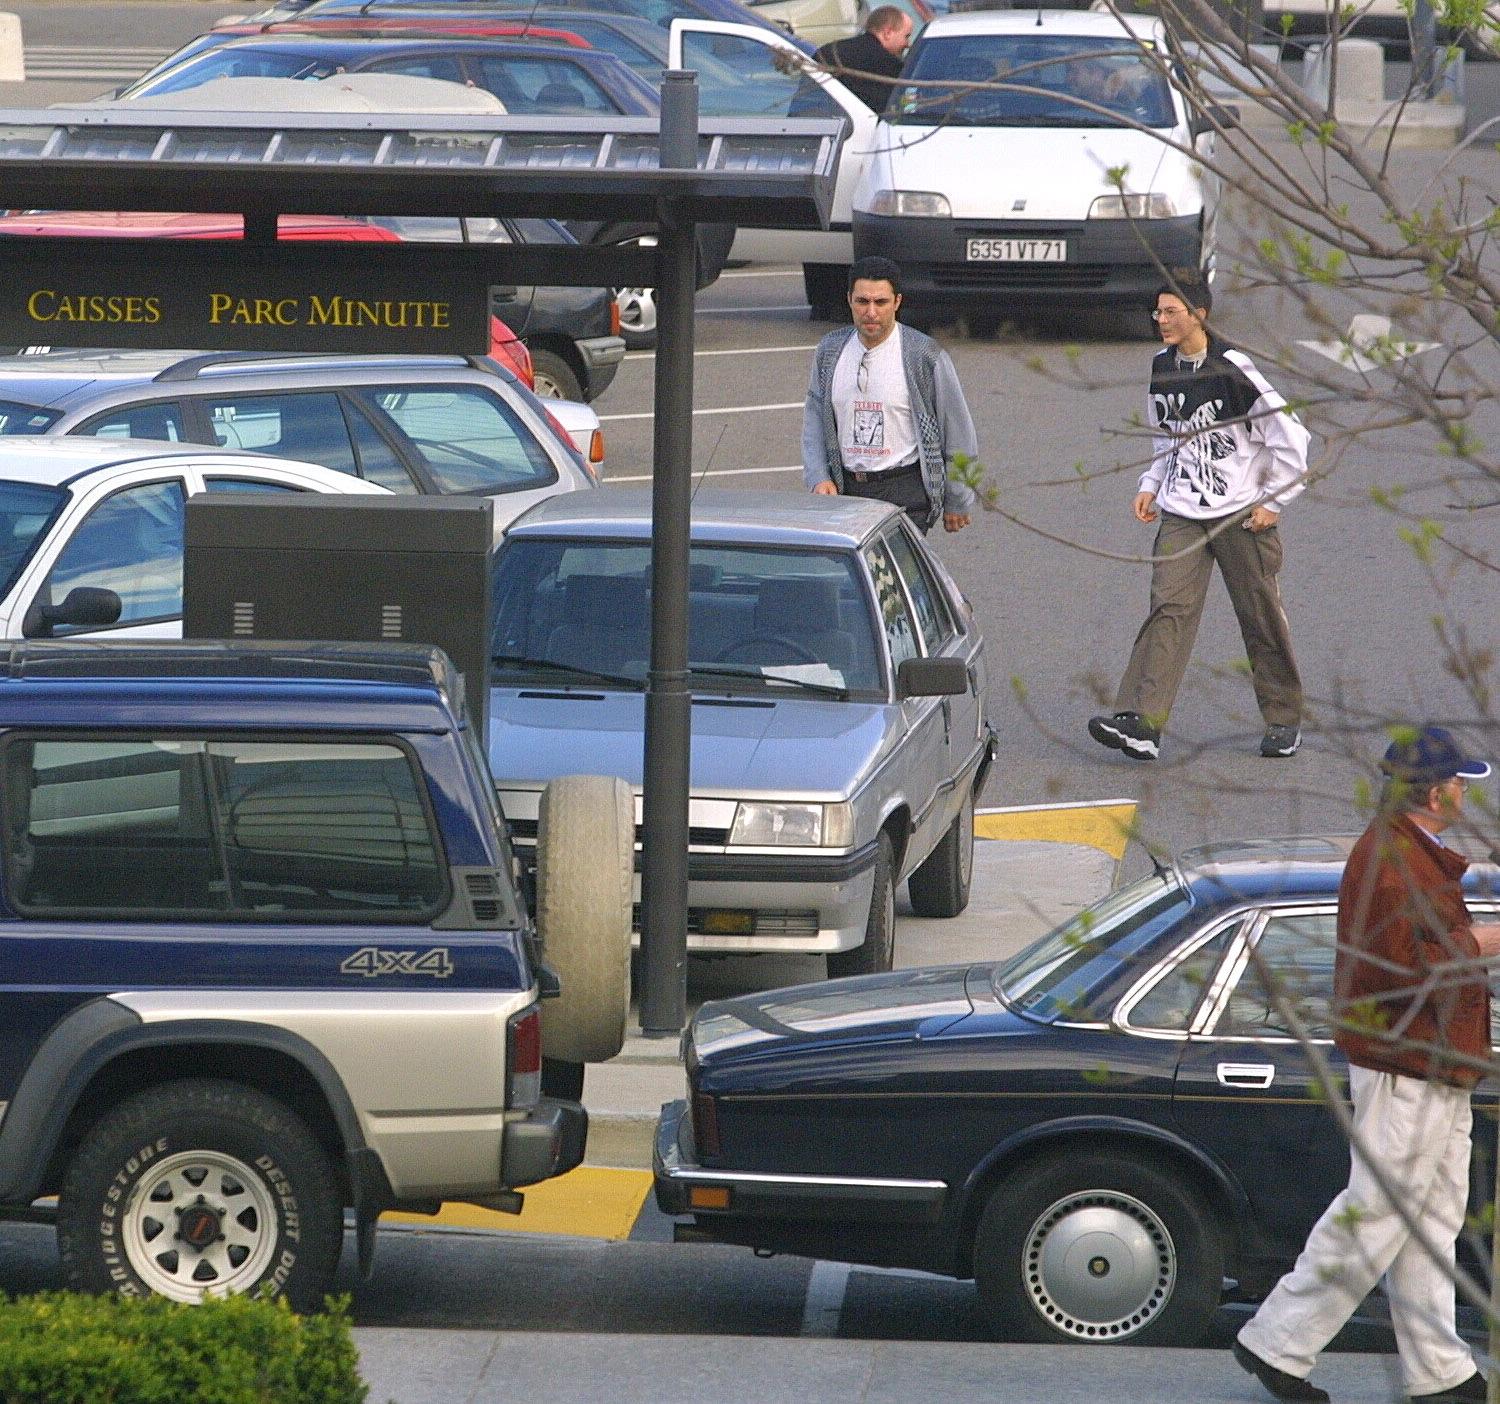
point(596, 447)
point(523, 1058)
point(705, 1125)
point(521, 355)
point(614, 317)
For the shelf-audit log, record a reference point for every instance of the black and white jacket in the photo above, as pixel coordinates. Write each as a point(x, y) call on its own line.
point(1222, 439)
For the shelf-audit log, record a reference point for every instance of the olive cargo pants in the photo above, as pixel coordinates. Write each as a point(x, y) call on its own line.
point(1249, 562)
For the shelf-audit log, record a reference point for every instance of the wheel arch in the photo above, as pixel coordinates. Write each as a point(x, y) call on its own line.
point(1223, 1194)
point(58, 1099)
point(898, 825)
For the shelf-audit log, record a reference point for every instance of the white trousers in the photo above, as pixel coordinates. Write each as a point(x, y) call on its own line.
point(1418, 1133)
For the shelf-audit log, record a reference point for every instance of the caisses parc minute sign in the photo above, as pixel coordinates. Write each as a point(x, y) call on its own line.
point(224, 295)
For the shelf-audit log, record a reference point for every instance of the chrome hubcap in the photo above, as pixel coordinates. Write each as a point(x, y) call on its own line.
point(1099, 1265)
point(637, 309)
point(201, 1223)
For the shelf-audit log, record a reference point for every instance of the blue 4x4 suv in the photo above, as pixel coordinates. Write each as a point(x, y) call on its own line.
point(262, 958)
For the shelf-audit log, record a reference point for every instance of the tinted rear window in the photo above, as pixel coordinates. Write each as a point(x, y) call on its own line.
point(16, 418)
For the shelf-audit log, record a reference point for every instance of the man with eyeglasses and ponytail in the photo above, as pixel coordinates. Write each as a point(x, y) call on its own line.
point(1227, 456)
point(885, 415)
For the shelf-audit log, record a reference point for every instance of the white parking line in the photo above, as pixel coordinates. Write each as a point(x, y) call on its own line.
point(763, 273)
point(714, 473)
point(723, 409)
point(727, 351)
point(824, 1303)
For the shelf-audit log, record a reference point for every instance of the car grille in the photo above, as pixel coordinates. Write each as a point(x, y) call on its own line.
point(524, 831)
point(1020, 275)
point(768, 923)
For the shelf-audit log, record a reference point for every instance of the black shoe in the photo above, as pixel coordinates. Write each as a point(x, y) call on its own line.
point(1128, 732)
point(1281, 1384)
point(1280, 741)
point(1475, 1387)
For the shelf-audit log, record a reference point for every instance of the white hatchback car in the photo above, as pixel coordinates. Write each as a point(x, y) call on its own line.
point(91, 529)
point(990, 197)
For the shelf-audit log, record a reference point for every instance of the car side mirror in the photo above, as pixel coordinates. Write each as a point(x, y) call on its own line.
point(1221, 117)
point(931, 677)
point(84, 605)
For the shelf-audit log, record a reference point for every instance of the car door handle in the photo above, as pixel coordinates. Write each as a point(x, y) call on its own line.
point(1246, 1074)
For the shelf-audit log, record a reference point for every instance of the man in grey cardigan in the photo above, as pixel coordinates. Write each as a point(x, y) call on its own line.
point(885, 415)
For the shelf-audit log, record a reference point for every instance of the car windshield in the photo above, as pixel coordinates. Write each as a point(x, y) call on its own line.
point(236, 63)
point(1032, 80)
point(16, 418)
point(760, 618)
point(26, 511)
point(1052, 978)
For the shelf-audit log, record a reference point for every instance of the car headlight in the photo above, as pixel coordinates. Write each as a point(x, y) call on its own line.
point(925, 204)
point(767, 825)
point(1132, 207)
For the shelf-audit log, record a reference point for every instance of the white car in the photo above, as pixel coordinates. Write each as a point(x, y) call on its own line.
point(91, 529)
point(994, 197)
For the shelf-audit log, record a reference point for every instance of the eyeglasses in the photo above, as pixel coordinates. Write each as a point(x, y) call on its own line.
point(862, 375)
point(1163, 314)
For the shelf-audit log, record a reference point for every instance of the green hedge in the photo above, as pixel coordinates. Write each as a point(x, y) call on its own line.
point(63, 1348)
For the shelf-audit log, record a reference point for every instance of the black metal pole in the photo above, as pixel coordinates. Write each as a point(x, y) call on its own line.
point(669, 702)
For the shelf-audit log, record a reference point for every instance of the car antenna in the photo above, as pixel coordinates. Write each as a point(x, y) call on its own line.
point(1039, 14)
point(701, 476)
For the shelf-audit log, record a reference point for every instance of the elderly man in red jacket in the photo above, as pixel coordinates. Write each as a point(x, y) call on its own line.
point(1412, 1004)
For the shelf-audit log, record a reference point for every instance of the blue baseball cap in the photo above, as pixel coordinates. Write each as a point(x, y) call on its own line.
point(1429, 756)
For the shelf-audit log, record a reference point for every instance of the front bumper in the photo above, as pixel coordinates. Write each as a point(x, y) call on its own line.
point(1109, 261)
point(761, 1195)
point(601, 357)
point(548, 1141)
point(801, 903)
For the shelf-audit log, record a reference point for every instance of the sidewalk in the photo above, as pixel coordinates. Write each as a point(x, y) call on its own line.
point(493, 1367)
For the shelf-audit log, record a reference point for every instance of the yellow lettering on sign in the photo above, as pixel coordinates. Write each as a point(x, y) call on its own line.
point(49, 305)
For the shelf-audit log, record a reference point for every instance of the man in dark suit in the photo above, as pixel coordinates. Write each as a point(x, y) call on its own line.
point(866, 63)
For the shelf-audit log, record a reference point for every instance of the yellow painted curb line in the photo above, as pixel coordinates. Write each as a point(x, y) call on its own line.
point(1103, 824)
point(589, 1202)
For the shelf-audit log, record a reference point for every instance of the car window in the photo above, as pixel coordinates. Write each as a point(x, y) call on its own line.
point(543, 86)
point(741, 77)
point(1027, 80)
point(26, 511)
point(1294, 957)
point(308, 426)
point(932, 615)
point(1053, 976)
point(378, 461)
point(1172, 1001)
point(421, 66)
point(237, 63)
point(895, 613)
point(130, 543)
point(182, 827)
point(158, 421)
point(16, 418)
point(247, 485)
point(467, 437)
point(772, 617)
point(629, 51)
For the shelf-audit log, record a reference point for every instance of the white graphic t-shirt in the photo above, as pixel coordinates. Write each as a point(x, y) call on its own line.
point(876, 426)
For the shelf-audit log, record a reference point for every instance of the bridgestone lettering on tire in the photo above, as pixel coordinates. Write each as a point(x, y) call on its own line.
point(585, 858)
point(199, 1188)
point(1104, 1247)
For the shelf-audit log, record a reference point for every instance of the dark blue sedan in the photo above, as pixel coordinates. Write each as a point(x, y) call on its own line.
point(1099, 1131)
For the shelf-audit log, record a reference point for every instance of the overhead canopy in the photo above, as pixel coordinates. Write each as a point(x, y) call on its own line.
point(768, 173)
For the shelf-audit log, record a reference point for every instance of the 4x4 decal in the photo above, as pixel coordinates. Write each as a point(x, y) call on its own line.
point(371, 961)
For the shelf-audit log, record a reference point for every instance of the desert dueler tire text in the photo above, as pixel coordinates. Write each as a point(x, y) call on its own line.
point(585, 852)
point(201, 1187)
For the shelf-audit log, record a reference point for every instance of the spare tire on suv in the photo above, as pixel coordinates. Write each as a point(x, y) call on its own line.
point(585, 862)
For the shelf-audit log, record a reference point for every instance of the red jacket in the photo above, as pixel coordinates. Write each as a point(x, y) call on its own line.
point(1401, 912)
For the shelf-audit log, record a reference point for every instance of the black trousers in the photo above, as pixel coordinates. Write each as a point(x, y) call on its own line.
point(903, 487)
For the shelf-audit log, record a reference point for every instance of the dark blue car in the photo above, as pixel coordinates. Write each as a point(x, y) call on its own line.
point(1099, 1131)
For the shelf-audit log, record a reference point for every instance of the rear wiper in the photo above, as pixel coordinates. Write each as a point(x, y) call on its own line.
point(699, 670)
point(589, 674)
